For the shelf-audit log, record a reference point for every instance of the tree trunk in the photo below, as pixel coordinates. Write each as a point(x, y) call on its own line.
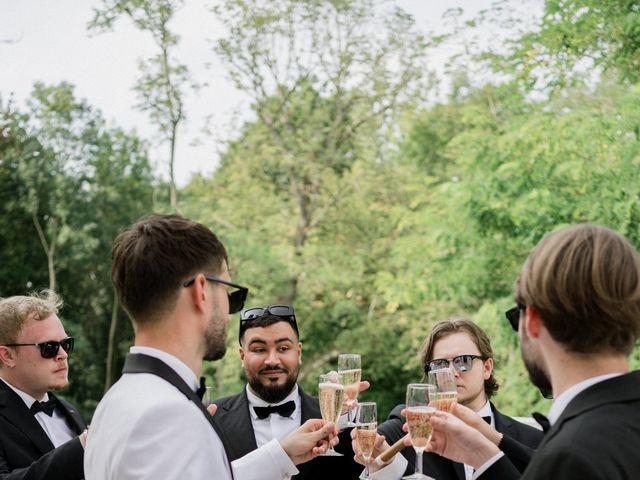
point(108, 376)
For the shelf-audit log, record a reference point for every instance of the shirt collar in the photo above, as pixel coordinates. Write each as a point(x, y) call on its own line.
point(174, 362)
point(26, 398)
point(561, 402)
point(256, 401)
point(486, 411)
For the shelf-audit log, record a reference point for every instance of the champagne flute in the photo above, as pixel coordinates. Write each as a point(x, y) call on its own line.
point(207, 397)
point(419, 412)
point(447, 393)
point(331, 395)
point(366, 431)
point(349, 365)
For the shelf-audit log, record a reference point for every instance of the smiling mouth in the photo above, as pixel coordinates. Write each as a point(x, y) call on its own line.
point(272, 372)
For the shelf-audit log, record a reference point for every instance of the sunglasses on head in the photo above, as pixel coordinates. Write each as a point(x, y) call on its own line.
point(462, 363)
point(513, 315)
point(250, 315)
point(48, 349)
point(236, 298)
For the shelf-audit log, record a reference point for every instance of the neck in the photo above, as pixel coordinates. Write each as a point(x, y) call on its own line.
point(174, 339)
point(17, 384)
point(477, 403)
point(569, 369)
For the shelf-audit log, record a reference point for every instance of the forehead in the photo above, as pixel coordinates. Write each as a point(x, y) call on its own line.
point(273, 333)
point(37, 331)
point(454, 344)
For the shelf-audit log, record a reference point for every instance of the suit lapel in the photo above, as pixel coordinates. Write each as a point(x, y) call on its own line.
point(309, 406)
point(15, 412)
point(234, 419)
point(72, 416)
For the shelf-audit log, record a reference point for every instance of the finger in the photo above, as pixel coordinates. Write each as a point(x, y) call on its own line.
point(364, 385)
point(212, 409)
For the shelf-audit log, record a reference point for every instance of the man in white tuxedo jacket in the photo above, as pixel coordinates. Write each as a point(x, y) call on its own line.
point(171, 277)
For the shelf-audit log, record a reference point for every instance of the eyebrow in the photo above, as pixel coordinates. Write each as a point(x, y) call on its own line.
point(263, 342)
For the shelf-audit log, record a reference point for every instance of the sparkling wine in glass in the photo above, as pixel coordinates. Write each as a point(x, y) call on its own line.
point(207, 397)
point(419, 411)
point(366, 430)
point(331, 396)
point(447, 393)
point(349, 366)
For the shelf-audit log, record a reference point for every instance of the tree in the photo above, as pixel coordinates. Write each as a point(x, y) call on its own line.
point(161, 87)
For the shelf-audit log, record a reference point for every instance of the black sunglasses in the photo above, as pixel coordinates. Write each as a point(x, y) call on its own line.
point(250, 315)
point(513, 315)
point(236, 299)
point(48, 349)
point(462, 363)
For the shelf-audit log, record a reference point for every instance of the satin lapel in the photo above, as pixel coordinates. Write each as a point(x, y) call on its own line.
point(73, 417)
point(310, 408)
point(15, 412)
point(504, 424)
point(234, 419)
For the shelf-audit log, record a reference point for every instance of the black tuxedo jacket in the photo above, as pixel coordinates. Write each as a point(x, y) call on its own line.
point(25, 449)
point(596, 437)
point(234, 419)
point(444, 469)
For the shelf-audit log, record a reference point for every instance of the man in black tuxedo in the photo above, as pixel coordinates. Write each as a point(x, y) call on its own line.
point(270, 352)
point(460, 343)
point(578, 315)
point(41, 436)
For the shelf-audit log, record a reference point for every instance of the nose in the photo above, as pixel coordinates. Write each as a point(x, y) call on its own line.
point(62, 354)
point(273, 358)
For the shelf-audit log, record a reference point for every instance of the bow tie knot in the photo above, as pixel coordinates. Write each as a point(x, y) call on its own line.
point(44, 407)
point(284, 410)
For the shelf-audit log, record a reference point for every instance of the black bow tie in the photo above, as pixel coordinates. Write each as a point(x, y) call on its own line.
point(542, 420)
point(45, 407)
point(203, 388)
point(284, 410)
point(487, 419)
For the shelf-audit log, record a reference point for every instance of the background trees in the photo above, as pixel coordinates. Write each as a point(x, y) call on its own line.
point(375, 212)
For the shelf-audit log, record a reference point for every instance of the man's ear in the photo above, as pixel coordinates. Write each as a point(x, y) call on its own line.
point(198, 292)
point(532, 322)
point(488, 368)
point(7, 357)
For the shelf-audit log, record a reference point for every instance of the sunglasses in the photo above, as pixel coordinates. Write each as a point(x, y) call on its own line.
point(48, 349)
point(236, 299)
point(250, 315)
point(462, 363)
point(513, 315)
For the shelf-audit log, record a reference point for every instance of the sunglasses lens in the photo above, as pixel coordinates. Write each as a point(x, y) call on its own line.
point(437, 364)
point(281, 310)
point(463, 363)
point(67, 345)
point(513, 315)
point(236, 302)
point(49, 349)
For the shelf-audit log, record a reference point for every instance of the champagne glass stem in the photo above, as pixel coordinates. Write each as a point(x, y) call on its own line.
point(419, 462)
point(366, 468)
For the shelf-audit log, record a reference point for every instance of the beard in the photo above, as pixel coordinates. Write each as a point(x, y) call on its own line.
point(273, 393)
point(215, 337)
point(537, 371)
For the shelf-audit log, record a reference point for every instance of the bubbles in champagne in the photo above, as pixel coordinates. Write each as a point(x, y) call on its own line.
point(351, 381)
point(331, 396)
point(445, 400)
point(419, 425)
point(366, 437)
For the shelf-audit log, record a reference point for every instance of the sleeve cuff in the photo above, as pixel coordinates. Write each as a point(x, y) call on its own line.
point(487, 464)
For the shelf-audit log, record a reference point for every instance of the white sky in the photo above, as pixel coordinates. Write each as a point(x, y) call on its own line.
point(49, 42)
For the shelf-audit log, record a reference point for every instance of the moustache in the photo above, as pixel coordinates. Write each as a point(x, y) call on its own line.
point(273, 369)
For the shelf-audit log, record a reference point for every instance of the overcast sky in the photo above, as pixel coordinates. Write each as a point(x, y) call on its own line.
point(47, 40)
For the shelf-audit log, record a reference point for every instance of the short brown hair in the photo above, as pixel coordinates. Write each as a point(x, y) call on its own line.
point(478, 336)
point(154, 256)
point(16, 310)
point(584, 281)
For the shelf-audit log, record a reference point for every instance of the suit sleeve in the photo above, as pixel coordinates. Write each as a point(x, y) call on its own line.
point(392, 427)
point(503, 469)
point(62, 462)
point(518, 453)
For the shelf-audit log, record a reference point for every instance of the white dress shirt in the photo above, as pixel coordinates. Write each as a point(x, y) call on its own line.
point(274, 426)
point(55, 426)
point(145, 428)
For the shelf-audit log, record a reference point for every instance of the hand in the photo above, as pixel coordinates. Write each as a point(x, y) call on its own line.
point(474, 420)
point(310, 440)
point(83, 438)
point(212, 409)
point(379, 446)
point(454, 439)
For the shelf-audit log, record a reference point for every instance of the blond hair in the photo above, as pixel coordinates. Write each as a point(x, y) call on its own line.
point(16, 310)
